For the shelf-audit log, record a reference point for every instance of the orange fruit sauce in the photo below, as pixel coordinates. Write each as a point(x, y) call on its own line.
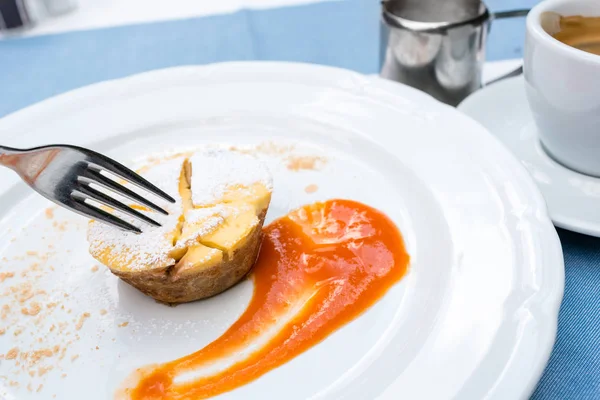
point(319, 267)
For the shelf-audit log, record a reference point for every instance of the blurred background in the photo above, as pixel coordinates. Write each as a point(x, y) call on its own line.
point(65, 44)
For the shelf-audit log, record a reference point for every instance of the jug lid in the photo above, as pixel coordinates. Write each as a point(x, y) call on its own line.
point(433, 15)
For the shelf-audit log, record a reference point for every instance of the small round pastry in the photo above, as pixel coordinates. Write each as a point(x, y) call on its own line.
point(209, 240)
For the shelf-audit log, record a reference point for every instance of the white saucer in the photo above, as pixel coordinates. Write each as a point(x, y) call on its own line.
point(573, 199)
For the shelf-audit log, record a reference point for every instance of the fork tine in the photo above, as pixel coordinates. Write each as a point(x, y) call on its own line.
point(101, 162)
point(86, 192)
point(97, 214)
point(92, 176)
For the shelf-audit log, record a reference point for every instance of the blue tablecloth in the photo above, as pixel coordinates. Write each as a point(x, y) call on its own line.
point(340, 33)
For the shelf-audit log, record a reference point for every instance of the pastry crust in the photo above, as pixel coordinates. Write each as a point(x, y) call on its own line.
point(168, 285)
point(201, 249)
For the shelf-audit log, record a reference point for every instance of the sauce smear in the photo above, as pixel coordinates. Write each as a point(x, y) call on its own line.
point(319, 267)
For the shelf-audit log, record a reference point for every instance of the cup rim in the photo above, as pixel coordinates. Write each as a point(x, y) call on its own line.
point(534, 28)
point(429, 27)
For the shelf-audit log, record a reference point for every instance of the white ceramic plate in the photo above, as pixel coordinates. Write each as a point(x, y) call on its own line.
point(475, 317)
point(572, 197)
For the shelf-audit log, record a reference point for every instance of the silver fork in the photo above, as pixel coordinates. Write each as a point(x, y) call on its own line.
point(65, 174)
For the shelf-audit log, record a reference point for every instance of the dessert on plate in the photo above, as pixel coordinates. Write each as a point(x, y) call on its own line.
point(209, 240)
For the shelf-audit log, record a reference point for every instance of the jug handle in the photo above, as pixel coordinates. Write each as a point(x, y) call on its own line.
point(503, 15)
point(510, 14)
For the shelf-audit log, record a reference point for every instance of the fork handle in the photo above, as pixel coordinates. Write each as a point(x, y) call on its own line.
point(9, 150)
point(8, 156)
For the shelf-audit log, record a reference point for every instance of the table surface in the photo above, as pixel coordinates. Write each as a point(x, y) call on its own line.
point(115, 38)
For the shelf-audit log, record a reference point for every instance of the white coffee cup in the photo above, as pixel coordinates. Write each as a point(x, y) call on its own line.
point(563, 87)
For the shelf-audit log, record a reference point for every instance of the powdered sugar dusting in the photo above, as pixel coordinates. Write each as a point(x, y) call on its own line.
point(214, 170)
point(200, 222)
point(151, 248)
point(148, 250)
point(197, 215)
point(165, 175)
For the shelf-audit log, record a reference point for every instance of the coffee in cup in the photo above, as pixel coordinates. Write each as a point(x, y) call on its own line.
point(561, 67)
point(580, 32)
